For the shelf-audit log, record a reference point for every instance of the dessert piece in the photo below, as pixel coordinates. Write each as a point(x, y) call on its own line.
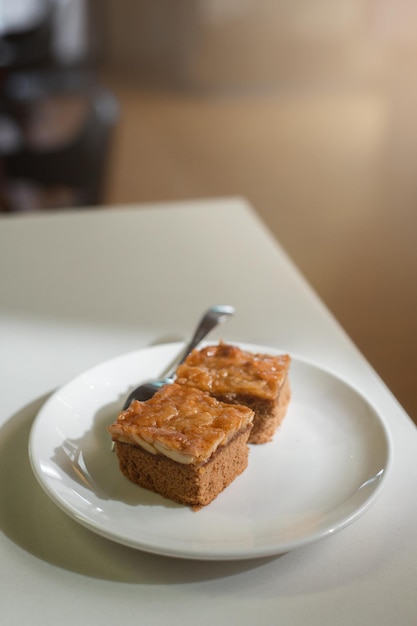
point(259, 381)
point(183, 444)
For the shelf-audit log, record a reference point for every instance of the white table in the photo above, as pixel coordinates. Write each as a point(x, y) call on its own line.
point(78, 288)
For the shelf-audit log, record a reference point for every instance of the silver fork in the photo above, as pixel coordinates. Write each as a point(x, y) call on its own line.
point(212, 318)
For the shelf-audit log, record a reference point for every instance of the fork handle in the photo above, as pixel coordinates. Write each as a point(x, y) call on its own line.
point(212, 317)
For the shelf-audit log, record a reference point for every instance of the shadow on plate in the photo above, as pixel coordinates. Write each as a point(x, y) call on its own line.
point(90, 461)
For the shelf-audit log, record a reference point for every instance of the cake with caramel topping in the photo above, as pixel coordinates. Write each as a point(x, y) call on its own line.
point(183, 444)
point(233, 375)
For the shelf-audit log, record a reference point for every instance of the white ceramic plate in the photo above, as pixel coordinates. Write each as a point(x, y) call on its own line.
point(323, 469)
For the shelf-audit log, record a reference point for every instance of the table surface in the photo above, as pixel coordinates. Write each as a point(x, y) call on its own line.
point(77, 288)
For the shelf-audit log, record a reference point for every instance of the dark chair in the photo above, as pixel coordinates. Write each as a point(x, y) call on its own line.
point(80, 164)
point(33, 77)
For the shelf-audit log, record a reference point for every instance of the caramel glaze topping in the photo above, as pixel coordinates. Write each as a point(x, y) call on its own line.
point(223, 369)
point(182, 423)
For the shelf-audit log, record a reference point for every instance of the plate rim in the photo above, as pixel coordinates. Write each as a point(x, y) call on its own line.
point(222, 554)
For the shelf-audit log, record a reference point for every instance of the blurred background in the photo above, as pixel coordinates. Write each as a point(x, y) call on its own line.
point(305, 107)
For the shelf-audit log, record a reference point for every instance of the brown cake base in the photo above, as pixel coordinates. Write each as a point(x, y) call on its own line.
point(193, 485)
point(268, 413)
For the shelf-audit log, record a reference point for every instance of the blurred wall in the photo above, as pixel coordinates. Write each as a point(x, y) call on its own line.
point(257, 43)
